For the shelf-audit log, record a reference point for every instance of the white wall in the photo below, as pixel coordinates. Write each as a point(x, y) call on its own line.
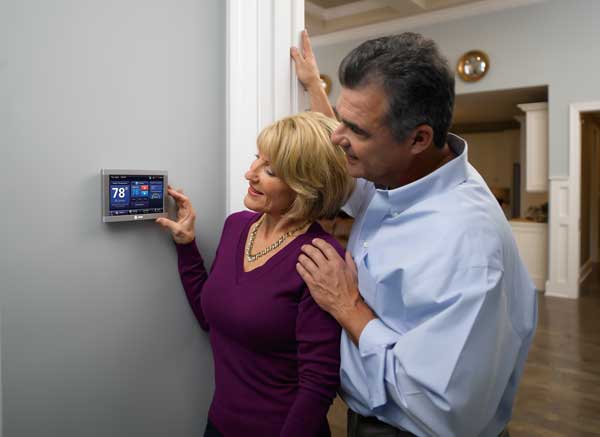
point(97, 337)
point(551, 43)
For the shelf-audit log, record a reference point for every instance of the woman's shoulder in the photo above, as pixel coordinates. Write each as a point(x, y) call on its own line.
point(240, 218)
point(317, 231)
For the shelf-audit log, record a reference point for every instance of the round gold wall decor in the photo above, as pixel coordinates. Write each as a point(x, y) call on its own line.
point(326, 83)
point(473, 65)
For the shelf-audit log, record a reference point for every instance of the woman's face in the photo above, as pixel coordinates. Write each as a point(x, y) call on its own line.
point(266, 193)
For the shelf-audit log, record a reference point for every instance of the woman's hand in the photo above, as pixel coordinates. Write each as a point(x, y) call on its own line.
point(306, 64)
point(182, 230)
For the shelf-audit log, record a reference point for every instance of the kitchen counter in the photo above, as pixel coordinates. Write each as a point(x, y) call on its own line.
point(532, 240)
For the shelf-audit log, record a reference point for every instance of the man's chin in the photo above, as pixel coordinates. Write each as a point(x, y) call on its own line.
point(354, 170)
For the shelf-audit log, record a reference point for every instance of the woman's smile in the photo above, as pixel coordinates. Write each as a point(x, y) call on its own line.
point(253, 191)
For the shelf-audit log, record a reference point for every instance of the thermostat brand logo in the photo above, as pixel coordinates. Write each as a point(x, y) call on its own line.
point(138, 217)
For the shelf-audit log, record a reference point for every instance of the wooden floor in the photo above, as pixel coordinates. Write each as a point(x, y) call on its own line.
point(559, 394)
point(560, 390)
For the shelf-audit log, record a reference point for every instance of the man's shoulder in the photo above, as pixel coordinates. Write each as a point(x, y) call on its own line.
point(465, 224)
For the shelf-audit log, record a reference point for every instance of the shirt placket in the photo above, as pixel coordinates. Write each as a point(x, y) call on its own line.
point(374, 217)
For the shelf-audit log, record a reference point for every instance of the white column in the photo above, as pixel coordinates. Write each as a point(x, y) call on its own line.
point(563, 262)
point(261, 82)
point(536, 146)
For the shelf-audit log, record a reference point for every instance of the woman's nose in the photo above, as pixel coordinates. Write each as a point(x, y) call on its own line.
point(251, 174)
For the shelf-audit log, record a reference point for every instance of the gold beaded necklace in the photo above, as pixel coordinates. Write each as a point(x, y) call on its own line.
point(252, 258)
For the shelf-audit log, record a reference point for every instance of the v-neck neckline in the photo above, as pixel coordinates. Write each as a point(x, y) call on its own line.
point(277, 258)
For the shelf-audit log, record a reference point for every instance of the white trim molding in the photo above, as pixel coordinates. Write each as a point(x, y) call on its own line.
point(261, 82)
point(419, 20)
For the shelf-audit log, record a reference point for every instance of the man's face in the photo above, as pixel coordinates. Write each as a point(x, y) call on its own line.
point(372, 152)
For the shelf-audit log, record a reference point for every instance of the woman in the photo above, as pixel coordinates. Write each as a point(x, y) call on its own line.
point(276, 353)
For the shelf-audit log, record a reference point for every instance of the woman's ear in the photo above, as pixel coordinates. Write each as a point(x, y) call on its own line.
point(422, 139)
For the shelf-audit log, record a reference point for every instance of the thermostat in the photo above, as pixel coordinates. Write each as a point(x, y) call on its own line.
point(131, 195)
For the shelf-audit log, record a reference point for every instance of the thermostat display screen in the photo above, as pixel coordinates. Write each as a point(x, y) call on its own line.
point(129, 194)
point(132, 195)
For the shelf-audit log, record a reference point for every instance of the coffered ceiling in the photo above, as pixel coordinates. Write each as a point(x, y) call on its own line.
point(326, 16)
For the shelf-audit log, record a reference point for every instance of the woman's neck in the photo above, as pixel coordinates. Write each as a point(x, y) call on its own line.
point(274, 226)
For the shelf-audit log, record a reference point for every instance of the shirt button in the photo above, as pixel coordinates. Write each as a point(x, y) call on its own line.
point(366, 244)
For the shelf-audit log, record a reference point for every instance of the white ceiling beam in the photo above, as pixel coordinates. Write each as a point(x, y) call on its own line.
point(347, 10)
point(314, 10)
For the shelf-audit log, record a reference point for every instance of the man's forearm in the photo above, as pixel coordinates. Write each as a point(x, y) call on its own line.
point(319, 101)
point(354, 320)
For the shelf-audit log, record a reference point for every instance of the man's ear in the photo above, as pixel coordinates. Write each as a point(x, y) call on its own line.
point(422, 139)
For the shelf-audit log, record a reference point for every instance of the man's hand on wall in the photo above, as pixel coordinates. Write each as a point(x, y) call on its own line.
point(306, 64)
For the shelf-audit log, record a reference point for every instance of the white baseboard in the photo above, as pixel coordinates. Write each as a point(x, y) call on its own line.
point(555, 289)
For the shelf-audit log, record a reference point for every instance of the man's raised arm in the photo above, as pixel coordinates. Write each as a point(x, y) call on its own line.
point(308, 74)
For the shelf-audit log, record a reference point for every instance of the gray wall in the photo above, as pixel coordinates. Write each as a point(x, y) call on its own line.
point(96, 334)
point(554, 43)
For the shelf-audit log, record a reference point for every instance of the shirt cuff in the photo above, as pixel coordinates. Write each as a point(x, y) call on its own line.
point(376, 335)
point(373, 345)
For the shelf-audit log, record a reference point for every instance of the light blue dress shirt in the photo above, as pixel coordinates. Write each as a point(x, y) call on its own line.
point(456, 308)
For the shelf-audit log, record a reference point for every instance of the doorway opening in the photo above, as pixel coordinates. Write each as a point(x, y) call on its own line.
point(589, 248)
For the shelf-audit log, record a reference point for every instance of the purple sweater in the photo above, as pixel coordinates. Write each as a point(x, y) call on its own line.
point(276, 353)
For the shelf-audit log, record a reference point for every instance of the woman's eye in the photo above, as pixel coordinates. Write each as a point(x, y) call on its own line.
point(269, 171)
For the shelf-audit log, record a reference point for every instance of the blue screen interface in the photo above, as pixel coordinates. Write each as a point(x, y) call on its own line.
point(135, 194)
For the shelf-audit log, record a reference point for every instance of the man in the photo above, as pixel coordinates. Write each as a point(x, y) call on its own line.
point(437, 308)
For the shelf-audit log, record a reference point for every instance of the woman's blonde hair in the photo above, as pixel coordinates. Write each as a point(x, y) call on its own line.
point(302, 155)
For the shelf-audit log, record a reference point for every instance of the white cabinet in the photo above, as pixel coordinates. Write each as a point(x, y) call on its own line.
point(532, 242)
point(535, 135)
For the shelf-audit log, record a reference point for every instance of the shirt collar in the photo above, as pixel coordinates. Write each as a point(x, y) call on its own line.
point(442, 179)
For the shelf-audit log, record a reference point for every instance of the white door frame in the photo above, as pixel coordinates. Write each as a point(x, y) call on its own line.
point(565, 212)
point(261, 82)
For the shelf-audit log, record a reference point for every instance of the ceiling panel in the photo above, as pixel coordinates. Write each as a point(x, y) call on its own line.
point(332, 18)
